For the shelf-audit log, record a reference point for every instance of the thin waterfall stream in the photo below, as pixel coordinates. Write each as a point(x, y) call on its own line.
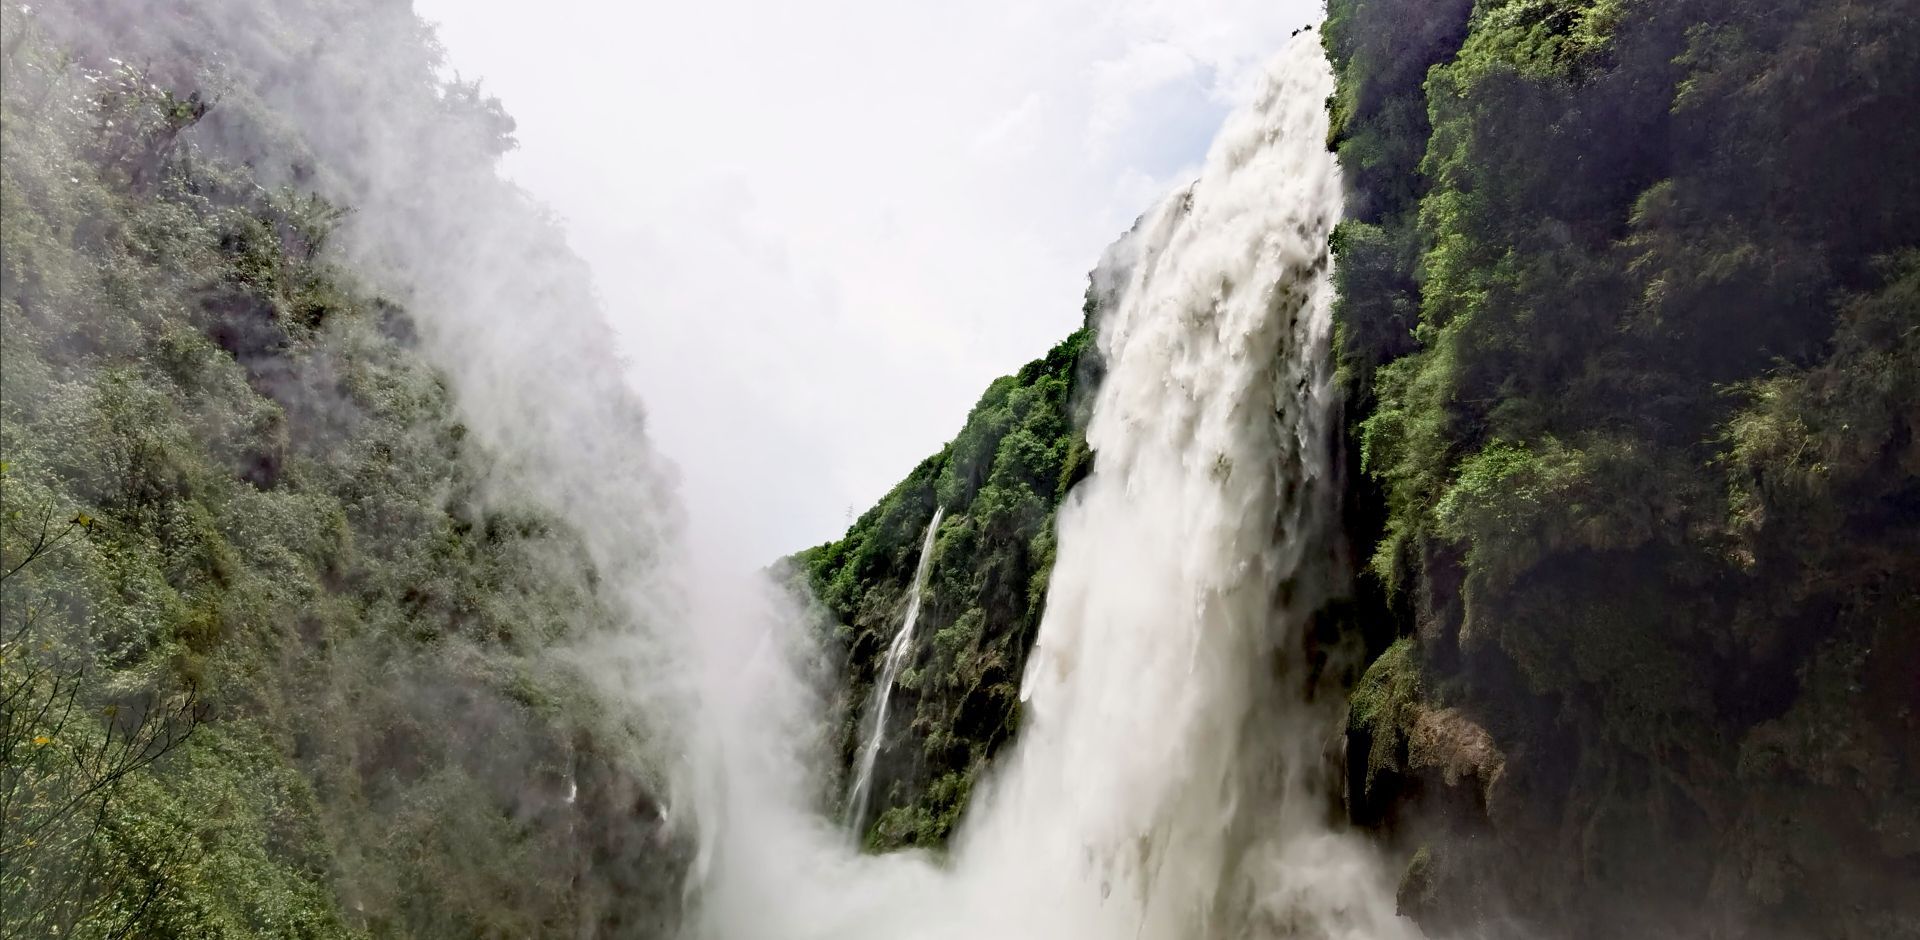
point(898, 652)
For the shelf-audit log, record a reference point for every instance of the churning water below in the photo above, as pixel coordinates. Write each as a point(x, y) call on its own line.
point(1167, 783)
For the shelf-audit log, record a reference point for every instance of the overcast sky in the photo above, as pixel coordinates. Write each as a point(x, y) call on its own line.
point(821, 229)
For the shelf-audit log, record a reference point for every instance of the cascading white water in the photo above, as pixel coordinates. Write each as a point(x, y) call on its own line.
point(1166, 784)
point(898, 652)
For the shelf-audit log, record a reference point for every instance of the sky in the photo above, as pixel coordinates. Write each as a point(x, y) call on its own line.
point(821, 229)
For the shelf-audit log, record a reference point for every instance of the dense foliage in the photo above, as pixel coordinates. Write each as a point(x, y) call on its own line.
point(1000, 482)
point(273, 635)
point(1630, 318)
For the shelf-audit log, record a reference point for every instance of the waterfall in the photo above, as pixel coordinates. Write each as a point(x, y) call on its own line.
point(1168, 781)
point(898, 652)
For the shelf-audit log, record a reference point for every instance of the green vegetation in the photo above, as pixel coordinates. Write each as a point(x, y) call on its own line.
point(269, 663)
point(1001, 481)
point(1629, 309)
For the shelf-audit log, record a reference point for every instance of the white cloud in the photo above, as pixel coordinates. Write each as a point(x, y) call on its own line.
point(1120, 83)
point(821, 229)
point(1012, 137)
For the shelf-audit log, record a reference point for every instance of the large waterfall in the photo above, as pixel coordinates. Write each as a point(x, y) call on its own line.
point(1168, 779)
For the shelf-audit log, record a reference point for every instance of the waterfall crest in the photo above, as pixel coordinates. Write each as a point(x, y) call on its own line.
point(1168, 778)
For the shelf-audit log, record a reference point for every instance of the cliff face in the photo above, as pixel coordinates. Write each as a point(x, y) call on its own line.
point(1628, 317)
point(277, 622)
point(1000, 482)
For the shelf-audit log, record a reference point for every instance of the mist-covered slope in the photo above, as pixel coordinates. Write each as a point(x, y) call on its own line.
point(1630, 315)
point(289, 592)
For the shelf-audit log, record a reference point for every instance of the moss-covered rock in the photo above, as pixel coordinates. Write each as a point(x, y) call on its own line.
point(1608, 269)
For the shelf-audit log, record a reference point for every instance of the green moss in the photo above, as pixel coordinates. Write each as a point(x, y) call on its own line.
point(1630, 346)
point(1384, 705)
